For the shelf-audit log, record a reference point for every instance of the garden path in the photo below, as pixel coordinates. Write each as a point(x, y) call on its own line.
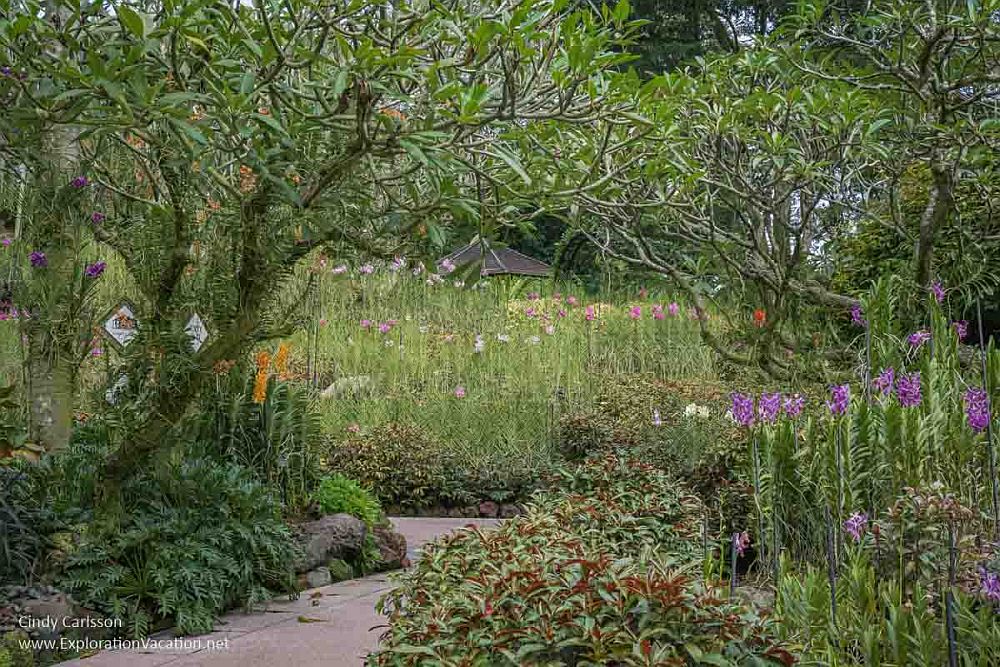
point(332, 626)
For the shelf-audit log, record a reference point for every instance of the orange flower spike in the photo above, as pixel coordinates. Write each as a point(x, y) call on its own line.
point(281, 361)
point(759, 317)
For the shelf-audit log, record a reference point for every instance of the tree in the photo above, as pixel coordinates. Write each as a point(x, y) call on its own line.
point(733, 172)
point(934, 67)
point(225, 145)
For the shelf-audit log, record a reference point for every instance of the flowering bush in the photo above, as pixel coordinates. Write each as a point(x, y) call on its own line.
point(581, 579)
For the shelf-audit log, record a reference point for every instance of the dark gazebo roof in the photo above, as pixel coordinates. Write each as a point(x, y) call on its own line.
point(497, 261)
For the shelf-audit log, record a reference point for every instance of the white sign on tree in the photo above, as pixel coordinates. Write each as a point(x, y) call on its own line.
point(121, 325)
point(197, 331)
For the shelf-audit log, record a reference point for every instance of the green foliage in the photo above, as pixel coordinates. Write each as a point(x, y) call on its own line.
point(400, 463)
point(279, 440)
point(14, 652)
point(198, 538)
point(581, 434)
point(336, 494)
point(593, 574)
point(877, 623)
point(25, 523)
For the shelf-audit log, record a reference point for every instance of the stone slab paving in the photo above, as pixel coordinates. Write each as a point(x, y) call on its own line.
point(332, 626)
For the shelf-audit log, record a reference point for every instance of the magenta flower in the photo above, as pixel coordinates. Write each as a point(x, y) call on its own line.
point(590, 314)
point(38, 259)
point(571, 301)
point(95, 270)
point(459, 391)
point(80, 182)
point(918, 338)
point(840, 398)
point(322, 322)
point(769, 407)
point(534, 296)
point(741, 541)
point(794, 405)
point(961, 329)
point(366, 324)
point(938, 291)
point(561, 313)
point(989, 585)
point(658, 312)
point(977, 408)
point(742, 409)
point(908, 390)
point(635, 312)
point(96, 352)
point(857, 318)
point(366, 269)
point(855, 525)
point(7, 241)
point(885, 382)
point(530, 312)
point(384, 327)
point(673, 309)
point(97, 217)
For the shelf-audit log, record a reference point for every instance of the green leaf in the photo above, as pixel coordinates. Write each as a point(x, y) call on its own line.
point(271, 123)
point(131, 21)
point(513, 163)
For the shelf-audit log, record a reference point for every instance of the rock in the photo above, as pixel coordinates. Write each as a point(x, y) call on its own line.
point(340, 570)
point(319, 577)
point(334, 536)
point(357, 386)
point(489, 509)
point(469, 512)
point(507, 511)
point(391, 548)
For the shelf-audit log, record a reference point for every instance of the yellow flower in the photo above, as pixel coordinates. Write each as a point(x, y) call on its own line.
point(281, 361)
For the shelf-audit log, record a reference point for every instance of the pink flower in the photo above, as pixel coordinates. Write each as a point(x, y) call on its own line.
point(530, 312)
point(658, 312)
point(337, 270)
point(366, 269)
point(447, 266)
point(550, 330)
point(534, 296)
point(459, 391)
point(96, 352)
point(322, 321)
point(590, 314)
point(354, 428)
point(571, 301)
point(561, 313)
point(366, 324)
point(384, 327)
point(635, 312)
point(673, 309)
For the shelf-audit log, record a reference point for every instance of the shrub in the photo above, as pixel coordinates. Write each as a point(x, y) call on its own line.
point(401, 464)
point(592, 574)
point(581, 434)
point(279, 440)
point(337, 493)
point(198, 539)
point(25, 523)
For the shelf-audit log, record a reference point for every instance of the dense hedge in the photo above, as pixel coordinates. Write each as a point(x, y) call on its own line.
point(598, 572)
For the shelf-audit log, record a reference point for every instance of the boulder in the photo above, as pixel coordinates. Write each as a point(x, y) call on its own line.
point(507, 511)
point(489, 509)
point(340, 536)
point(319, 577)
point(391, 548)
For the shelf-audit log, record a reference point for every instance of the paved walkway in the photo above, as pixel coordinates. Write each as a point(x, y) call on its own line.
point(332, 626)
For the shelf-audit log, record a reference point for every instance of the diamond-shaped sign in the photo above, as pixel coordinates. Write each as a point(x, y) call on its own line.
point(121, 325)
point(197, 332)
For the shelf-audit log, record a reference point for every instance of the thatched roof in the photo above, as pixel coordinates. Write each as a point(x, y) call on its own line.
point(496, 261)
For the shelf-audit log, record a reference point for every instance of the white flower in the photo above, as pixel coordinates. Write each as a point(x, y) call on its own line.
point(703, 411)
point(388, 342)
point(423, 328)
point(533, 340)
point(480, 344)
point(503, 338)
point(657, 420)
point(691, 410)
point(459, 284)
point(550, 330)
